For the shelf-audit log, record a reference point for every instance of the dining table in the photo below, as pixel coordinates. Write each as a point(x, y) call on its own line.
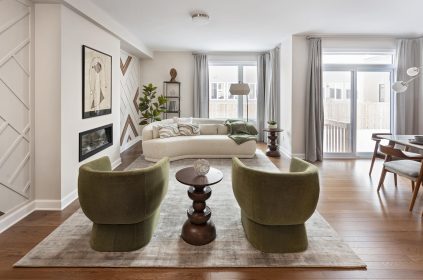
point(404, 140)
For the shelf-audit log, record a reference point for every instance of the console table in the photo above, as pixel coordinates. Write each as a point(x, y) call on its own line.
point(273, 148)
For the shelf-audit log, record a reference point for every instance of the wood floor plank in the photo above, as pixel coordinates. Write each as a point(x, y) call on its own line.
point(378, 227)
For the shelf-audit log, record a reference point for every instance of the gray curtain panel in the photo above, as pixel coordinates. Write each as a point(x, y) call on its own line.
point(408, 115)
point(268, 89)
point(201, 86)
point(314, 116)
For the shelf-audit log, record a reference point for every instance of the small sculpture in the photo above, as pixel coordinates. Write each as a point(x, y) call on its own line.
point(201, 167)
point(173, 74)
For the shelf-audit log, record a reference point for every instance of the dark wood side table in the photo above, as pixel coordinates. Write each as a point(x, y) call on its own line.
point(198, 229)
point(273, 148)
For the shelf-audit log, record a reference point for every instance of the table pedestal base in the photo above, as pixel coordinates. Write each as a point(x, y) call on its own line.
point(198, 234)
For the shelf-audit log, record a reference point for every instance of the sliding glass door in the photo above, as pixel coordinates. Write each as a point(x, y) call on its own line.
point(357, 103)
point(338, 106)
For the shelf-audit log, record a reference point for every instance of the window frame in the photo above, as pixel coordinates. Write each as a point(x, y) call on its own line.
point(240, 65)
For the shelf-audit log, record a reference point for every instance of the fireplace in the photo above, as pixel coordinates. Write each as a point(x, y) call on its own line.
point(95, 140)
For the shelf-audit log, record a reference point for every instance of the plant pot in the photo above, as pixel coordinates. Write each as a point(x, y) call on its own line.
point(273, 126)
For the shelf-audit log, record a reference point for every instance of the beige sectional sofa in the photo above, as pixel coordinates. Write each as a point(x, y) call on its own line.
point(213, 142)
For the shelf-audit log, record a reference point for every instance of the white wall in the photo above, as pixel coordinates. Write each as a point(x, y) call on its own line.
point(47, 101)
point(299, 73)
point(156, 71)
point(77, 31)
point(286, 95)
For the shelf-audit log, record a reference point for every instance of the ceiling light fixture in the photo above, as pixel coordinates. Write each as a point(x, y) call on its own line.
point(200, 18)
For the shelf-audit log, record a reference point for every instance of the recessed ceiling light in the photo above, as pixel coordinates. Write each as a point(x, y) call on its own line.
point(200, 18)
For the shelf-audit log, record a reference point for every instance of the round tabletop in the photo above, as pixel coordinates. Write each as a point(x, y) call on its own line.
point(272, 129)
point(187, 176)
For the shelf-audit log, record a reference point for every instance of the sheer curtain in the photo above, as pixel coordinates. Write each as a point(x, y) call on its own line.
point(314, 115)
point(201, 86)
point(268, 89)
point(408, 113)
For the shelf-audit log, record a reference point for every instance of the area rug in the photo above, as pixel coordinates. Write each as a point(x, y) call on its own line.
point(68, 245)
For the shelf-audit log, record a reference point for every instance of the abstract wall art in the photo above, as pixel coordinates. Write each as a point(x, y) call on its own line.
point(96, 83)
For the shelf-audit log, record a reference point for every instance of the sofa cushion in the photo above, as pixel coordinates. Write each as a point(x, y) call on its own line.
point(222, 129)
point(200, 146)
point(168, 130)
point(208, 129)
point(188, 129)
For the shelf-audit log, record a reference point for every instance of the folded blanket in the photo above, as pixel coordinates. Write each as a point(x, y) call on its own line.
point(240, 131)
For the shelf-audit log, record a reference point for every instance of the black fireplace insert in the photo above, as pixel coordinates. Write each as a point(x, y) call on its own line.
point(95, 140)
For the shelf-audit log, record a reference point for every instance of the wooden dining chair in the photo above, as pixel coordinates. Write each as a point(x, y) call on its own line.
point(376, 152)
point(403, 165)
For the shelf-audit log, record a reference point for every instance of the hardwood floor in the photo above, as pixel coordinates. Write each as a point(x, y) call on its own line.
point(377, 226)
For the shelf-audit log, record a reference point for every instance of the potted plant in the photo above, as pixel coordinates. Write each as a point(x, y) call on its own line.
point(151, 107)
point(272, 124)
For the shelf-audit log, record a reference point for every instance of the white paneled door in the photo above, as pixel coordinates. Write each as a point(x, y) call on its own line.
point(15, 120)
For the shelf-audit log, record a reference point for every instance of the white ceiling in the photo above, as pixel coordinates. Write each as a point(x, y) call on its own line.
point(254, 25)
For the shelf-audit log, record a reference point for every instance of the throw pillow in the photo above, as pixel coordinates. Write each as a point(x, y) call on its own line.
point(168, 130)
point(188, 129)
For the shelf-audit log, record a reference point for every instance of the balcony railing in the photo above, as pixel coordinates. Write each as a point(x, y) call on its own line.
point(337, 137)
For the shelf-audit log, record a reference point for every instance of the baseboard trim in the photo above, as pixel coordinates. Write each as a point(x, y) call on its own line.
point(116, 163)
point(11, 218)
point(301, 156)
point(130, 144)
point(71, 197)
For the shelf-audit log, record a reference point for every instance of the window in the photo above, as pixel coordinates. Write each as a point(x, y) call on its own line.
point(359, 102)
point(223, 105)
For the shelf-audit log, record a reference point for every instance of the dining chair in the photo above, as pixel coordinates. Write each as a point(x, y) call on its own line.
point(397, 162)
point(376, 152)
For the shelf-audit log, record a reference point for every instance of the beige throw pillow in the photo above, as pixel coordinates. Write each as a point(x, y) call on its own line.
point(168, 130)
point(187, 129)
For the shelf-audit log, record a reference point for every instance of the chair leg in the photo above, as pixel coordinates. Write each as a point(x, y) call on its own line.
point(412, 186)
point(416, 191)
point(371, 165)
point(382, 178)
point(395, 179)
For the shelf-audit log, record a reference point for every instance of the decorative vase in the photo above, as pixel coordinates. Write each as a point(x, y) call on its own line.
point(273, 126)
point(201, 167)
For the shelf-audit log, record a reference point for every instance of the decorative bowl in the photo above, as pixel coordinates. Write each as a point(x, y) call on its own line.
point(201, 167)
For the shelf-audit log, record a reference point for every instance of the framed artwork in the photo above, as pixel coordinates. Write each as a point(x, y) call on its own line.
point(96, 83)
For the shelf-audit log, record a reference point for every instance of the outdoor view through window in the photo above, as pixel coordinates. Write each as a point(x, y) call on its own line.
point(357, 100)
point(223, 105)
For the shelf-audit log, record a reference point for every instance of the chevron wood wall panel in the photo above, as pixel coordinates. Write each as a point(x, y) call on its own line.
point(129, 93)
point(15, 104)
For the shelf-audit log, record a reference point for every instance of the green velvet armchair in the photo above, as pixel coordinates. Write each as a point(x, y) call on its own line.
point(124, 206)
point(275, 206)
